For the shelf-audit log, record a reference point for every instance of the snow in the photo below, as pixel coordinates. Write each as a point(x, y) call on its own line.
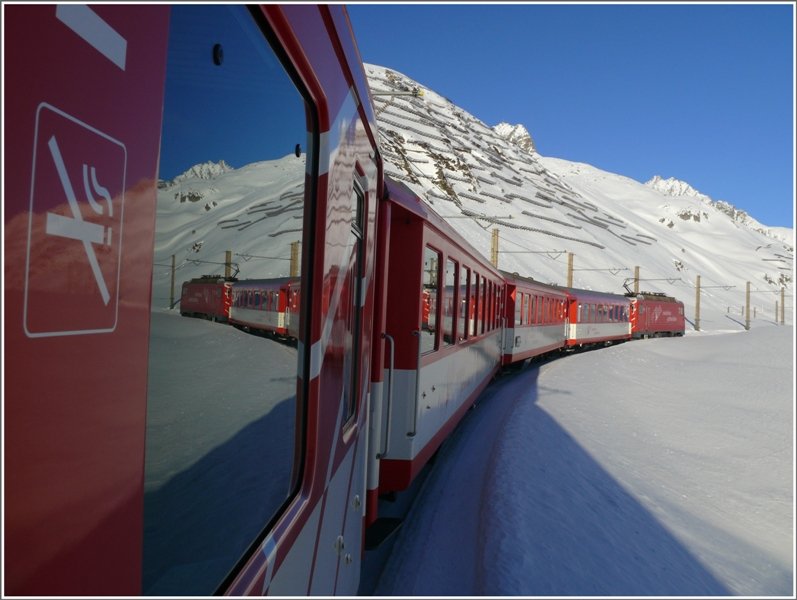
point(673, 187)
point(655, 467)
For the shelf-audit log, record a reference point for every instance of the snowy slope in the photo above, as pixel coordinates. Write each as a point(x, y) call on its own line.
point(254, 212)
point(479, 178)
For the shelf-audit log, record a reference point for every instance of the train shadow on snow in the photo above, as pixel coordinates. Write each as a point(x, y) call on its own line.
point(198, 524)
point(550, 519)
point(566, 526)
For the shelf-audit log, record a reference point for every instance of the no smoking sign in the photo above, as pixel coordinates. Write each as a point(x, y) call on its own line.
point(75, 231)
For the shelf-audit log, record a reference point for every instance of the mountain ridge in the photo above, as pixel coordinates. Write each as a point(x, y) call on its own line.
point(479, 178)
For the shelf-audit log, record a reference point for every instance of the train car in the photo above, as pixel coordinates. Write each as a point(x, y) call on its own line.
point(146, 453)
point(596, 318)
point(441, 354)
point(656, 314)
point(535, 316)
point(208, 297)
point(267, 305)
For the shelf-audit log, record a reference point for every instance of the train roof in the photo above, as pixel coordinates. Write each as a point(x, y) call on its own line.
point(660, 296)
point(516, 278)
point(594, 295)
point(400, 194)
point(212, 279)
point(274, 281)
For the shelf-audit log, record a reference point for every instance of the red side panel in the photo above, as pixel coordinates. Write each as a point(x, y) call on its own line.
point(82, 130)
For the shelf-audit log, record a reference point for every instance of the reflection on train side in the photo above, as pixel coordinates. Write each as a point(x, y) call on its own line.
point(220, 438)
point(222, 404)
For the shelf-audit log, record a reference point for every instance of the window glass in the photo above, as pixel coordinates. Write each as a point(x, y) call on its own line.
point(449, 302)
point(483, 309)
point(490, 305)
point(519, 299)
point(474, 305)
point(495, 305)
point(498, 305)
point(352, 289)
point(532, 299)
point(464, 276)
point(222, 401)
point(429, 296)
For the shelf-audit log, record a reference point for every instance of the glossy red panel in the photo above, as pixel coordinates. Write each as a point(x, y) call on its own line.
point(81, 138)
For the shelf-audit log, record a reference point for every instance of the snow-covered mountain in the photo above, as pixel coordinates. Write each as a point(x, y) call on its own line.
point(676, 187)
point(516, 134)
point(254, 212)
point(480, 178)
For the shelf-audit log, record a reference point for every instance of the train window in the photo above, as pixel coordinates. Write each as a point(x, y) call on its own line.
point(222, 413)
point(532, 300)
point(498, 306)
point(519, 308)
point(483, 302)
point(464, 277)
point(449, 302)
point(495, 305)
point(474, 304)
point(489, 306)
point(351, 338)
point(430, 294)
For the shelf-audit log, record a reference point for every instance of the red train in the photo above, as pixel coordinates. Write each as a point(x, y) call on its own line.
point(655, 315)
point(208, 297)
point(267, 305)
point(169, 456)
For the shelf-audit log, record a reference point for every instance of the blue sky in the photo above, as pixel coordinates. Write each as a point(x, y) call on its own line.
point(703, 93)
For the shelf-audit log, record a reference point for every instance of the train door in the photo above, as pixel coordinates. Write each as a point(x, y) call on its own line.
point(355, 375)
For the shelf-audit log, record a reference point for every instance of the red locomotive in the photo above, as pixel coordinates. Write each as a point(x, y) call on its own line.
point(171, 456)
point(655, 315)
point(208, 297)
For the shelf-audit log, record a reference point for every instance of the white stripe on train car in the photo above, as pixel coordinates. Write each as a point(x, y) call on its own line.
point(526, 338)
point(95, 31)
point(296, 567)
point(590, 331)
point(269, 550)
point(447, 383)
